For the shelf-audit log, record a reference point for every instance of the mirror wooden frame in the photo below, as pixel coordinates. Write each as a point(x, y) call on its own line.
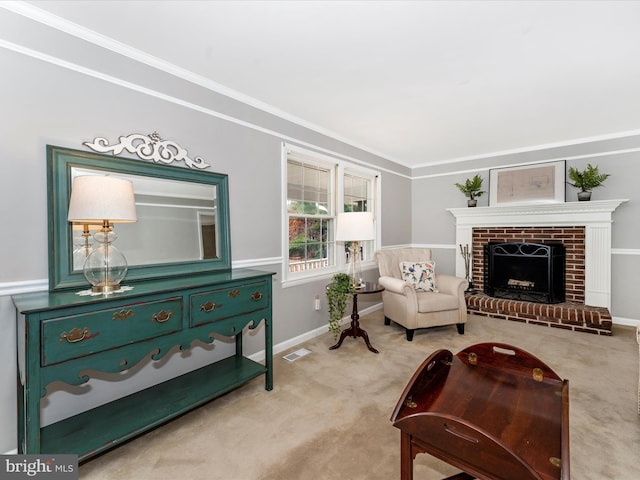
point(61, 160)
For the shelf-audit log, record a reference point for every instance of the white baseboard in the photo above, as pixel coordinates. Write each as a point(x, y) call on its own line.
point(11, 452)
point(292, 342)
point(305, 337)
point(626, 321)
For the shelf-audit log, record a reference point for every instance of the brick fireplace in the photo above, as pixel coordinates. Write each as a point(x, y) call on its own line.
point(571, 237)
point(585, 230)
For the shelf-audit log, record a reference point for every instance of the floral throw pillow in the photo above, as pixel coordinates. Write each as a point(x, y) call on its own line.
point(422, 275)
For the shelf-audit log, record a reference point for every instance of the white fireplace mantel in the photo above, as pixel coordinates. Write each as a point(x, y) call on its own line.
point(595, 216)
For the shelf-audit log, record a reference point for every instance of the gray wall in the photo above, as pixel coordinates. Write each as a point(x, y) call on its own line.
point(45, 101)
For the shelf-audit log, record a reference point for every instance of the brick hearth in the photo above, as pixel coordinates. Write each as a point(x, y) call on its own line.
point(569, 316)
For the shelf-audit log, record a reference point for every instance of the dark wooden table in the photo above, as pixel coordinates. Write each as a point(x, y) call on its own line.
point(493, 410)
point(354, 329)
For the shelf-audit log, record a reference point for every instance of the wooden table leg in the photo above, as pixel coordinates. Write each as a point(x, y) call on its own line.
point(406, 457)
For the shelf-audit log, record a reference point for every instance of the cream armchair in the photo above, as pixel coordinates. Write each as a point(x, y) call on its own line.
point(417, 309)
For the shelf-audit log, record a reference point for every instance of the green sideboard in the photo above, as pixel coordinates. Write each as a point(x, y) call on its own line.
point(62, 336)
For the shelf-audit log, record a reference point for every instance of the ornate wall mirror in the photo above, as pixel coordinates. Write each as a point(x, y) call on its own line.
point(182, 227)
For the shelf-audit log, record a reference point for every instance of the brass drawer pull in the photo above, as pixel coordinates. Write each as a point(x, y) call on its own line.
point(123, 314)
point(162, 316)
point(75, 335)
point(209, 306)
point(256, 296)
point(234, 293)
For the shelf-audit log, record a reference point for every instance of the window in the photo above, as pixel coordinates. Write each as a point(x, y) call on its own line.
point(357, 193)
point(317, 187)
point(310, 212)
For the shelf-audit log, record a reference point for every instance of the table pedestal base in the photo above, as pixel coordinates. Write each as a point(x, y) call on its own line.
point(354, 329)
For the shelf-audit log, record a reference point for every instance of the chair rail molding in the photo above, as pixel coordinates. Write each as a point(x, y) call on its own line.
point(595, 216)
point(13, 288)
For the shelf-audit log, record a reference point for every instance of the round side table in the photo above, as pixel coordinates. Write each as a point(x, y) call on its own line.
point(354, 329)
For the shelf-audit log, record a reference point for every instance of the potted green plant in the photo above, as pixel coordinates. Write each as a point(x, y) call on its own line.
point(339, 291)
point(586, 180)
point(472, 188)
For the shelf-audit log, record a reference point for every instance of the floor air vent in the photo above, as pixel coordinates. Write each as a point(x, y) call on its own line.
point(297, 354)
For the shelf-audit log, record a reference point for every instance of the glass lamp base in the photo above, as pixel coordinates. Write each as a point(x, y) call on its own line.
point(354, 270)
point(109, 288)
point(105, 267)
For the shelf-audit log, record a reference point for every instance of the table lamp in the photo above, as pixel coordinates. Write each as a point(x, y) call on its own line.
point(355, 227)
point(82, 244)
point(107, 200)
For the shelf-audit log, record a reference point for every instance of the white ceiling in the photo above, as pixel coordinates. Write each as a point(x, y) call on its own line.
point(417, 82)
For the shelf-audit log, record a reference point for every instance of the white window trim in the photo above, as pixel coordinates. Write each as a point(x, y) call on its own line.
point(290, 279)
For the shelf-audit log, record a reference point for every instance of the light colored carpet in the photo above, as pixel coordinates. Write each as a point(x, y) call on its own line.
point(328, 416)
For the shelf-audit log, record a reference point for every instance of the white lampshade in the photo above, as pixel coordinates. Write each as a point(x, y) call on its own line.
point(355, 227)
point(101, 197)
point(107, 200)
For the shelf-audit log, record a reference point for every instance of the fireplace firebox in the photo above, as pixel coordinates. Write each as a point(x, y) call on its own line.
point(533, 272)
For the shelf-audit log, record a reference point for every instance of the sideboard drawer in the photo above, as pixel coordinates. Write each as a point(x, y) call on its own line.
point(74, 336)
point(216, 305)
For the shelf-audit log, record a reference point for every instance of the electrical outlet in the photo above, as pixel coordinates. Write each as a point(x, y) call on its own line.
point(316, 303)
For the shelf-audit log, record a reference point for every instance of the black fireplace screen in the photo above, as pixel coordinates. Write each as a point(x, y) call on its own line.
point(533, 272)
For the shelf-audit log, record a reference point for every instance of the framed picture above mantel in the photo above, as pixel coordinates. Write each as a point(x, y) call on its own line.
point(535, 183)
